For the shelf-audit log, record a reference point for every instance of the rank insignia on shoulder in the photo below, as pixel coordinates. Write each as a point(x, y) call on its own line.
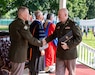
point(67, 27)
point(25, 27)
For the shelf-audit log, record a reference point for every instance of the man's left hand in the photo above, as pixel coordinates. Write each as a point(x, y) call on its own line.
point(64, 45)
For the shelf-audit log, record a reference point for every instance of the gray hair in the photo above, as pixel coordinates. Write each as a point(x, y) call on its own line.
point(38, 13)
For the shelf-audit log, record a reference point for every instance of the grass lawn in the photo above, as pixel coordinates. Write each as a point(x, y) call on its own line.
point(3, 27)
point(84, 54)
point(90, 39)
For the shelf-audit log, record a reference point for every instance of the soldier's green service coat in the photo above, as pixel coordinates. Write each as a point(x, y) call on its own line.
point(60, 30)
point(20, 36)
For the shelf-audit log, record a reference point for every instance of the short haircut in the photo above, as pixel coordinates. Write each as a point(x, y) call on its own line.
point(38, 13)
point(49, 15)
point(21, 9)
point(65, 10)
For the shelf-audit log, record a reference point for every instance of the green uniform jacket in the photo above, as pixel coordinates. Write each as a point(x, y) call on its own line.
point(61, 30)
point(20, 36)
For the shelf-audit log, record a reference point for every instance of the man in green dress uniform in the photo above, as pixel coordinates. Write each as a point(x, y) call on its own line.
point(20, 36)
point(66, 50)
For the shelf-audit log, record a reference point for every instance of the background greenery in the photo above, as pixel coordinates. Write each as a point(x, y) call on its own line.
point(77, 8)
point(2, 27)
point(90, 39)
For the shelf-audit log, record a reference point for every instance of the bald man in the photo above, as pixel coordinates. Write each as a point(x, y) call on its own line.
point(66, 51)
point(20, 36)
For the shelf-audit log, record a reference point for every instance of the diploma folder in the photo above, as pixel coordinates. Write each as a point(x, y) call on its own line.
point(66, 37)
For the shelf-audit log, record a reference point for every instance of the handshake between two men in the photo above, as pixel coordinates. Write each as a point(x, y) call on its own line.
point(45, 45)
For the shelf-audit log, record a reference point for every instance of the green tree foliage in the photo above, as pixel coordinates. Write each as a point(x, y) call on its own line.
point(33, 5)
point(53, 6)
point(5, 6)
point(91, 9)
point(77, 8)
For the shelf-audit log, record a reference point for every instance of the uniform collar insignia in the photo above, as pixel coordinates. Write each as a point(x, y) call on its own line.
point(25, 27)
point(67, 27)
